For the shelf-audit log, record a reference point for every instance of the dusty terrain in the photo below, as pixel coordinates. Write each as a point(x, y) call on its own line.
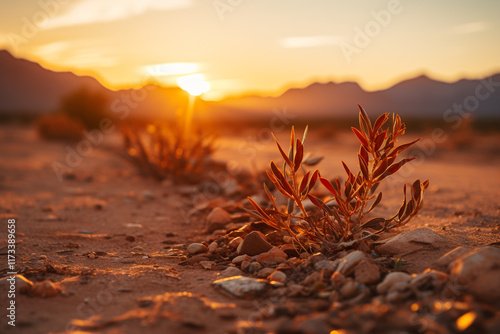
point(109, 237)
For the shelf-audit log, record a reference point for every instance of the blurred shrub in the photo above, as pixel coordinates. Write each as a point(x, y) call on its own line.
point(59, 127)
point(90, 107)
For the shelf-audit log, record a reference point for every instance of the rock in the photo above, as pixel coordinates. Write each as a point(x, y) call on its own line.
point(411, 241)
point(265, 272)
point(347, 263)
point(444, 261)
point(20, 283)
point(212, 248)
point(326, 265)
point(277, 276)
point(231, 271)
point(391, 279)
point(316, 258)
point(254, 244)
point(337, 280)
point(208, 265)
point(399, 291)
point(245, 265)
point(254, 267)
point(241, 287)
point(312, 279)
point(478, 272)
point(272, 257)
point(429, 279)
point(217, 219)
point(197, 248)
point(235, 242)
point(289, 250)
point(240, 258)
point(45, 289)
point(348, 290)
point(366, 273)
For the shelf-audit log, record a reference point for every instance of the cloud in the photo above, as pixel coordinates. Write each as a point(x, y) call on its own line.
point(75, 54)
point(310, 41)
point(90, 11)
point(470, 27)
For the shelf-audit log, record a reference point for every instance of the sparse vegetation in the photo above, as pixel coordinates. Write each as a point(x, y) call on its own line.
point(342, 217)
point(87, 106)
point(59, 127)
point(165, 151)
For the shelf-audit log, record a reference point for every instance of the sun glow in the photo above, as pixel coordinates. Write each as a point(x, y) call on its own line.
point(194, 84)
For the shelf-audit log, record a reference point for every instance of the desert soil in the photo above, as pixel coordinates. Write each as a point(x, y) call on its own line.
point(109, 237)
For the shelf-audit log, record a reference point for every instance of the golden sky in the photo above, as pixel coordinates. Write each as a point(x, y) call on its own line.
point(256, 46)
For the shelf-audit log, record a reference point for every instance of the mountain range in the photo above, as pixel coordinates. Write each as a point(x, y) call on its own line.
point(27, 87)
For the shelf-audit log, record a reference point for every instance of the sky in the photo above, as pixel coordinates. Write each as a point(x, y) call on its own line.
point(256, 46)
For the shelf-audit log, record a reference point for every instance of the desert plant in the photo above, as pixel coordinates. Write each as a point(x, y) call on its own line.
point(164, 150)
point(90, 107)
point(353, 200)
point(59, 126)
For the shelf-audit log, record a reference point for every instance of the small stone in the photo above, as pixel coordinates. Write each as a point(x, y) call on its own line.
point(241, 287)
point(254, 244)
point(217, 219)
point(130, 238)
point(429, 279)
point(412, 241)
point(478, 272)
point(287, 239)
point(312, 279)
point(196, 248)
point(272, 257)
point(212, 247)
point(348, 290)
point(391, 279)
point(254, 267)
point(231, 271)
point(326, 265)
point(316, 258)
point(235, 242)
point(265, 272)
point(444, 261)
point(208, 265)
point(337, 280)
point(366, 273)
point(240, 258)
point(45, 289)
point(277, 276)
point(348, 263)
point(245, 265)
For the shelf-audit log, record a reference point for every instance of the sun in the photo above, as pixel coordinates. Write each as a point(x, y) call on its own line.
point(194, 84)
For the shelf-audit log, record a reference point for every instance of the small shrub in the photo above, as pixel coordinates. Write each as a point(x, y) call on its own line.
point(164, 151)
point(59, 127)
point(353, 200)
point(87, 106)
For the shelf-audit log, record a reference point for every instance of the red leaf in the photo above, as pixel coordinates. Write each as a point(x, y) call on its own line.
point(361, 137)
point(298, 155)
point(285, 157)
point(328, 185)
point(303, 183)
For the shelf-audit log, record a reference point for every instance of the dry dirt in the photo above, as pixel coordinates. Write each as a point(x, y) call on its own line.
point(108, 236)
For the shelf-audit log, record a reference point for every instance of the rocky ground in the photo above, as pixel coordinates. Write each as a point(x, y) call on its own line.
point(108, 251)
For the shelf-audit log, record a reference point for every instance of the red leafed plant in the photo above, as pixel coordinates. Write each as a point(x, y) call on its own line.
point(341, 218)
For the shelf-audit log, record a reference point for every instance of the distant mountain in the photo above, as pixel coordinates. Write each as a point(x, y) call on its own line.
point(26, 86)
point(420, 97)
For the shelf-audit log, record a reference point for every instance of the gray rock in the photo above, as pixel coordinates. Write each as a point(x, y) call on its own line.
point(391, 279)
point(197, 248)
point(254, 244)
point(254, 267)
point(411, 241)
point(240, 258)
point(241, 287)
point(478, 272)
point(347, 263)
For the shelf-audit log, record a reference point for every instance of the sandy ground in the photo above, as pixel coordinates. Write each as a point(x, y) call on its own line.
point(109, 236)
